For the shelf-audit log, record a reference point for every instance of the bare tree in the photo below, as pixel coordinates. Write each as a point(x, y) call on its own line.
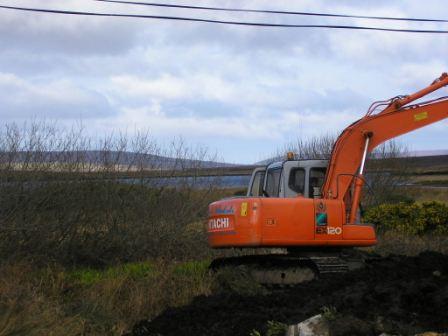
point(70, 197)
point(386, 170)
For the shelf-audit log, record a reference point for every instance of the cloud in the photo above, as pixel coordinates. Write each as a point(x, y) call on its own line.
point(58, 99)
point(240, 90)
point(414, 74)
point(61, 34)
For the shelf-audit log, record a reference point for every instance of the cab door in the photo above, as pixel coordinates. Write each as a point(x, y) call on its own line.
point(256, 183)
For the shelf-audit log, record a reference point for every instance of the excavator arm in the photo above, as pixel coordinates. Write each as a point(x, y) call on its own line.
point(356, 141)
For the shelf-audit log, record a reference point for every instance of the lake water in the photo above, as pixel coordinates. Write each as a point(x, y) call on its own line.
point(228, 181)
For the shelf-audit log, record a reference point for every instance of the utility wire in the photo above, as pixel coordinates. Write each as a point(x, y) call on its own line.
point(271, 11)
point(238, 23)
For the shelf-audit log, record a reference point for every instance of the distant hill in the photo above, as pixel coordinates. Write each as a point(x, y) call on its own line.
point(419, 160)
point(436, 152)
point(110, 157)
point(439, 154)
point(435, 163)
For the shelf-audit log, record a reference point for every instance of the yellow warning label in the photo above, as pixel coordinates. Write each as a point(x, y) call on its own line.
point(244, 209)
point(420, 116)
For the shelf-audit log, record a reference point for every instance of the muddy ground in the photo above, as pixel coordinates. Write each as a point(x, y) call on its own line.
point(397, 294)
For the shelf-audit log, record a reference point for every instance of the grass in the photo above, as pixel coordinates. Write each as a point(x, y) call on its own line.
point(426, 194)
point(411, 245)
point(191, 268)
point(58, 301)
point(90, 276)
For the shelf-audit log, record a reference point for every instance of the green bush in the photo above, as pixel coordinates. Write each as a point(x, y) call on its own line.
point(410, 218)
point(434, 216)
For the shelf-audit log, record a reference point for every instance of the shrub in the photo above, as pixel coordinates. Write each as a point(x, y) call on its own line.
point(273, 328)
point(434, 216)
point(410, 218)
point(68, 198)
point(99, 223)
point(329, 313)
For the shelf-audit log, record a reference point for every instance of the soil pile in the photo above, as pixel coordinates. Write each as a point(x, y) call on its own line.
point(397, 295)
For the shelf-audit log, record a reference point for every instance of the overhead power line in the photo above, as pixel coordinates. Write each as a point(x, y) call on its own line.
point(265, 11)
point(238, 23)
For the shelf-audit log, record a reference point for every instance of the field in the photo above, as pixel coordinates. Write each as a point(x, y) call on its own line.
point(184, 297)
point(93, 254)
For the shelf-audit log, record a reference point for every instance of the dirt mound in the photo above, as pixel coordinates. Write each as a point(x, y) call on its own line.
point(397, 294)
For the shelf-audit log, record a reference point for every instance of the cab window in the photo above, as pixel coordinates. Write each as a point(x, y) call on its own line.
point(256, 188)
point(317, 178)
point(296, 181)
point(273, 182)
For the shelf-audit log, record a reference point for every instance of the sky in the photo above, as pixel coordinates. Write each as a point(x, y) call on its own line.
point(242, 92)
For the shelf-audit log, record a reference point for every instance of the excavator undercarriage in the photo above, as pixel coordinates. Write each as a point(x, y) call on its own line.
point(293, 267)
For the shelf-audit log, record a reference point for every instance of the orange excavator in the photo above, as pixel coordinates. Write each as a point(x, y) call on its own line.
point(311, 207)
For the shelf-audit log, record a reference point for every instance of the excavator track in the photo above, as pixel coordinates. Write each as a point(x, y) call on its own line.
point(286, 269)
point(330, 265)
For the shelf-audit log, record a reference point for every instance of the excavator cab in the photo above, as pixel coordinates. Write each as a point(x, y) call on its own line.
point(290, 178)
